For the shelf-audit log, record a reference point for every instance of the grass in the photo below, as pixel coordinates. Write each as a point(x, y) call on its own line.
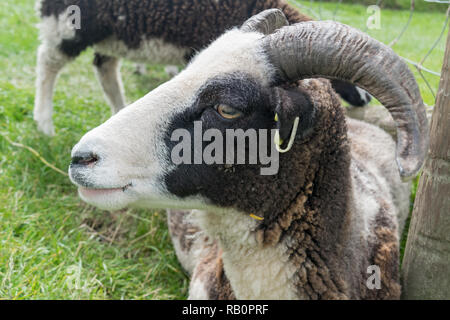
point(419, 5)
point(53, 246)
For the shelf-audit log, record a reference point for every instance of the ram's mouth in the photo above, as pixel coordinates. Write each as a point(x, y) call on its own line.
point(92, 192)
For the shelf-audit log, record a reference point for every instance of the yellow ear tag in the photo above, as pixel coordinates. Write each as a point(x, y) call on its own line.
point(256, 217)
point(278, 141)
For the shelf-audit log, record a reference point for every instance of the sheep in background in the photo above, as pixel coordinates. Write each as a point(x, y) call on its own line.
point(330, 212)
point(157, 31)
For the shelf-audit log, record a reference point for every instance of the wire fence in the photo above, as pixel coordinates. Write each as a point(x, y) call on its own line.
point(315, 9)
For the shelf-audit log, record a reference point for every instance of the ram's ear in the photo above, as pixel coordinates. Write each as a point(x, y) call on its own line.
point(291, 103)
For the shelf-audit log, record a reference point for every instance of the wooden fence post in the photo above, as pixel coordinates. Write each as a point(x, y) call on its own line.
point(426, 264)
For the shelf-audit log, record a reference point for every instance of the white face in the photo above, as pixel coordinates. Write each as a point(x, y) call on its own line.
point(130, 153)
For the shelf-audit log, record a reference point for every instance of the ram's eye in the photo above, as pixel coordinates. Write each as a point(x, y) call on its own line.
point(228, 112)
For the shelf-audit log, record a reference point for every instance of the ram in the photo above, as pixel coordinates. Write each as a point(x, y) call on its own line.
point(331, 212)
point(156, 31)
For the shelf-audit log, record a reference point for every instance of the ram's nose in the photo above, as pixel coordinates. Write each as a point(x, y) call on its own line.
point(84, 159)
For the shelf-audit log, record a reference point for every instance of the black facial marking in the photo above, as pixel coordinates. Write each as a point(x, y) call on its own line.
point(239, 186)
point(236, 90)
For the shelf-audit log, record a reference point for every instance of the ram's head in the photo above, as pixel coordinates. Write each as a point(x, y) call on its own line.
point(241, 81)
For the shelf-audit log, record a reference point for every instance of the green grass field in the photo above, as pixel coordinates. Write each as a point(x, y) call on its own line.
point(53, 246)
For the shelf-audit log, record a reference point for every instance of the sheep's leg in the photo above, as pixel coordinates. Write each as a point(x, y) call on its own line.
point(200, 257)
point(209, 281)
point(49, 62)
point(108, 73)
point(187, 239)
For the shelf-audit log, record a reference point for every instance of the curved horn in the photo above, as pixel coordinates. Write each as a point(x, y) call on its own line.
point(332, 50)
point(266, 22)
